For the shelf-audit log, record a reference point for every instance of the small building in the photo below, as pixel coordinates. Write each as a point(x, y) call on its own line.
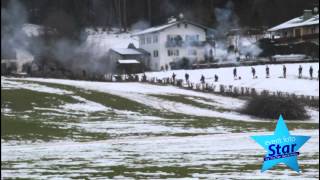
point(124, 58)
point(176, 40)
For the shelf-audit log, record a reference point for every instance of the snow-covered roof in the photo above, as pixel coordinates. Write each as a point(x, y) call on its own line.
point(126, 51)
point(128, 61)
point(165, 26)
point(297, 22)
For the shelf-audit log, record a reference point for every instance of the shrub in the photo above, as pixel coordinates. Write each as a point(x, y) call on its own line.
point(271, 107)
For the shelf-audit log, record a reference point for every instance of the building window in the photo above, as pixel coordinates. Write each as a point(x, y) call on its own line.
point(297, 32)
point(155, 38)
point(142, 40)
point(155, 53)
point(171, 37)
point(192, 38)
point(192, 52)
point(313, 30)
point(173, 52)
point(148, 40)
point(176, 52)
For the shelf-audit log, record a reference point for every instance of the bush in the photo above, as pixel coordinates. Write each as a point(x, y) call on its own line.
point(183, 63)
point(271, 107)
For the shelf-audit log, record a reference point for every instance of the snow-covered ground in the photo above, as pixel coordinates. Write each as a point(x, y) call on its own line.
point(140, 92)
point(141, 146)
point(221, 156)
point(291, 84)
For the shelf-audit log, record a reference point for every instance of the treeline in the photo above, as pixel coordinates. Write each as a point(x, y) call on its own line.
point(125, 13)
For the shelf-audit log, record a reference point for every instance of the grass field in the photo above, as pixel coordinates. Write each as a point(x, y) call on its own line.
point(78, 129)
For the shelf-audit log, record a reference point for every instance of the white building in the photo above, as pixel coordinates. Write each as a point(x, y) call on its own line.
point(173, 41)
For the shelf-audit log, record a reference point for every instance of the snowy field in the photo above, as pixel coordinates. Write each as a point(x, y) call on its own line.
point(142, 93)
point(291, 84)
point(62, 129)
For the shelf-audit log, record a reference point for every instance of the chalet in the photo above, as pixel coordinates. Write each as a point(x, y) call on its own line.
point(304, 28)
point(171, 42)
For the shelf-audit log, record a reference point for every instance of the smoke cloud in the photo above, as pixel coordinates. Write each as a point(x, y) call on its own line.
point(227, 20)
point(19, 40)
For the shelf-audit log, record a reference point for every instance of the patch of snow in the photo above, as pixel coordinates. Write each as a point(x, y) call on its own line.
point(84, 106)
point(6, 83)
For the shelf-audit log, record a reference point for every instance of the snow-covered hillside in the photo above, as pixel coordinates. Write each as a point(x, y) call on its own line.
point(111, 39)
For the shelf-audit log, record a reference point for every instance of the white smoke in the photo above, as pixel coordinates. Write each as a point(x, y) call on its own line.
point(227, 20)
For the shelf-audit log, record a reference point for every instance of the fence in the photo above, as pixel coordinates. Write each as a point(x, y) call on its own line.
point(234, 91)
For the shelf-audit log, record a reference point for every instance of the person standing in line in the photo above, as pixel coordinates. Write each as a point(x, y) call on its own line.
point(311, 72)
point(187, 78)
point(173, 77)
point(267, 72)
point(235, 73)
point(253, 70)
point(284, 69)
point(216, 78)
point(202, 79)
point(300, 71)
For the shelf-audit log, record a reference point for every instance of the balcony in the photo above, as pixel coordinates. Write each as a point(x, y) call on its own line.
point(297, 39)
point(181, 43)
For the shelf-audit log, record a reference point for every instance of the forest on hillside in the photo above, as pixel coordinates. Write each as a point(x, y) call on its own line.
point(125, 13)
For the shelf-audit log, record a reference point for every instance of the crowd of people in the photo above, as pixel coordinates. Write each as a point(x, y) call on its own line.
point(253, 72)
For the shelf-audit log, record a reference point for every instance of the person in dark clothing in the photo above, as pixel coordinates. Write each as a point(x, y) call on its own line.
point(216, 78)
point(202, 79)
point(311, 72)
point(300, 71)
point(253, 70)
point(173, 77)
point(284, 69)
point(187, 77)
point(234, 72)
point(267, 71)
point(144, 77)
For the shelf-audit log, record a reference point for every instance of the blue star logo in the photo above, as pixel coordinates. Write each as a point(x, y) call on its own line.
point(281, 147)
